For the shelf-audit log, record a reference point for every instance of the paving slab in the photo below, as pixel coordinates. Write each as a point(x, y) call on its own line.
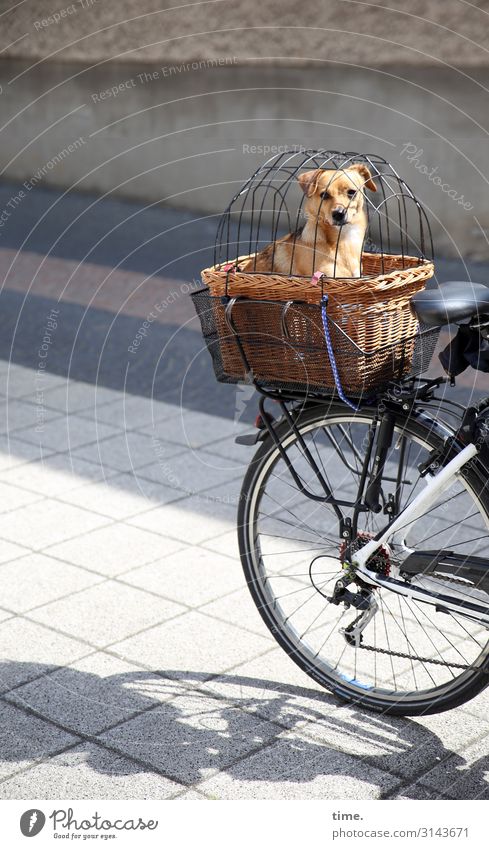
point(122, 496)
point(88, 771)
point(25, 739)
point(26, 383)
point(94, 693)
point(192, 796)
point(127, 451)
point(191, 736)
point(295, 767)
point(405, 747)
point(238, 608)
point(5, 614)
point(275, 688)
point(478, 706)
point(232, 455)
point(29, 650)
point(462, 775)
point(66, 433)
point(192, 643)
point(226, 543)
point(192, 519)
point(194, 472)
point(12, 497)
point(106, 613)
point(415, 791)
point(203, 694)
point(115, 549)
point(46, 523)
point(75, 396)
point(15, 452)
point(192, 576)
point(36, 579)
point(136, 413)
point(195, 430)
point(15, 414)
point(55, 475)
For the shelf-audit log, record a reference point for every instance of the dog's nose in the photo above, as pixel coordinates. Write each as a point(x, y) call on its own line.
point(339, 214)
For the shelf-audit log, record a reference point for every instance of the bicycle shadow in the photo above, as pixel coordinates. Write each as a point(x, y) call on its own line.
point(245, 735)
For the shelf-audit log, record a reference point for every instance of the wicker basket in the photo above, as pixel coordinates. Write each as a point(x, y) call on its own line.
point(275, 327)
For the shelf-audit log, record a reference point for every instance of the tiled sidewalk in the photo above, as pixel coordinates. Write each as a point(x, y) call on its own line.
point(134, 664)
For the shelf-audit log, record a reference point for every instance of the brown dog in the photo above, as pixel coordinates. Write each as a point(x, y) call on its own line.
point(332, 237)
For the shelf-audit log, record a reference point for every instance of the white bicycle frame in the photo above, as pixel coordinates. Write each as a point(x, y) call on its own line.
point(435, 486)
point(455, 602)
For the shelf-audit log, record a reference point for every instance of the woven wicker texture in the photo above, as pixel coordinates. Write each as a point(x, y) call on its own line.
point(299, 213)
point(285, 347)
point(372, 325)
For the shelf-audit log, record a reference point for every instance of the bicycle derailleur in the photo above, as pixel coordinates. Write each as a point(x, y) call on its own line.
point(364, 600)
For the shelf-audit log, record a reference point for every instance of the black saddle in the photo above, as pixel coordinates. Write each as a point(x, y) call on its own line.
point(458, 303)
point(452, 303)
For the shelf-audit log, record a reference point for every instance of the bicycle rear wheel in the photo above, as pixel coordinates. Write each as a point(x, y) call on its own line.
point(413, 658)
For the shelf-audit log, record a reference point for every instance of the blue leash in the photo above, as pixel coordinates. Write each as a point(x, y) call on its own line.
point(334, 367)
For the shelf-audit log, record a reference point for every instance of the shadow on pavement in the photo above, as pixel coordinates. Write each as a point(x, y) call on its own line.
point(184, 726)
point(171, 364)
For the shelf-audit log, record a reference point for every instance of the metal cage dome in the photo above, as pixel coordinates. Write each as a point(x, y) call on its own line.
point(271, 204)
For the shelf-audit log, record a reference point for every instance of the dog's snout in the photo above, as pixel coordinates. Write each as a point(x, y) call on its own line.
point(339, 214)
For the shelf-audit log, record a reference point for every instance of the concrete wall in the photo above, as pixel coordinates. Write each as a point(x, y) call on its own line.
point(191, 138)
point(417, 32)
point(179, 106)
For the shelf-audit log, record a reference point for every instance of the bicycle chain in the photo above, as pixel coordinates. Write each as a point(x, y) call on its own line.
point(416, 657)
point(406, 656)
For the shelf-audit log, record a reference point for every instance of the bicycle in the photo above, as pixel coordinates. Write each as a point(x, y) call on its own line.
point(345, 518)
point(336, 510)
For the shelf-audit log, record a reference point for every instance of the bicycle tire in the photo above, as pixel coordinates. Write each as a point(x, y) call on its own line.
point(421, 431)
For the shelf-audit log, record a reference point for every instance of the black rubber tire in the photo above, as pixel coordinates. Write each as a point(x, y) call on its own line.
point(465, 686)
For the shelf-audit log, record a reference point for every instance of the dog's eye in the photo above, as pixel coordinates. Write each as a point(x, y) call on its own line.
point(351, 193)
point(325, 195)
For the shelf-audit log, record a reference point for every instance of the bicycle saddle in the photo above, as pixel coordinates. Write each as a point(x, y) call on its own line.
point(451, 303)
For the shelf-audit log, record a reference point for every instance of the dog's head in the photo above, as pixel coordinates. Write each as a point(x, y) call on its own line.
point(336, 197)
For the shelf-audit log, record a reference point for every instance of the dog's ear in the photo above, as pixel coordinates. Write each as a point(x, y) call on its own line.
point(309, 181)
point(365, 173)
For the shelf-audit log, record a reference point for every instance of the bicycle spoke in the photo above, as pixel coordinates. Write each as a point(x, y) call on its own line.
point(302, 525)
point(294, 539)
point(292, 550)
point(321, 613)
point(465, 541)
point(387, 638)
point(441, 531)
point(429, 637)
point(329, 635)
point(412, 648)
point(313, 595)
point(470, 636)
point(423, 611)
point(302, 574)
point(321, 463)
point(427, 513)
point(401, 611)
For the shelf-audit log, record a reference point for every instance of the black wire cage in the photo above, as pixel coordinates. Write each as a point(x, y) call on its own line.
point(276, 201)
point(316, 259)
